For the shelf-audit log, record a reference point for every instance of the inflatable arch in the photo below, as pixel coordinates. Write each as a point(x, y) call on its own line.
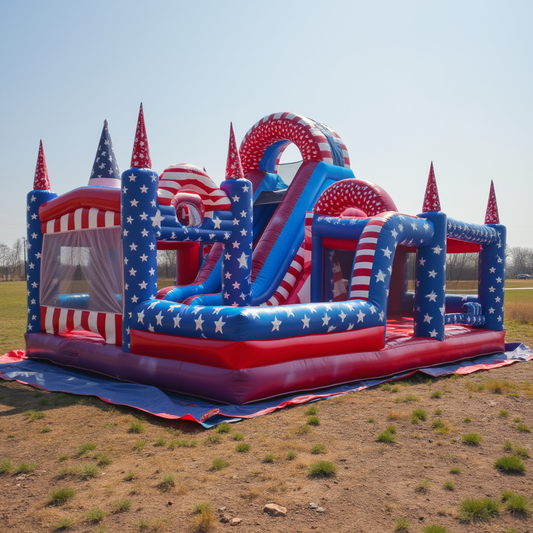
point(281, 288)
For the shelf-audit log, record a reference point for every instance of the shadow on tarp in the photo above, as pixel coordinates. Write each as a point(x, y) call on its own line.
point(171, 405)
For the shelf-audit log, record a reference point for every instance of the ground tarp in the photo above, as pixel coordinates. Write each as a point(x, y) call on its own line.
point(47, 376)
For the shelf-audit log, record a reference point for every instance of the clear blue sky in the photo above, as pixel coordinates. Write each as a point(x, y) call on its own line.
point(403, 83)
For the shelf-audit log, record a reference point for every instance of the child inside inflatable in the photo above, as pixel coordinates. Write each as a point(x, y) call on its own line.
point(280, 287)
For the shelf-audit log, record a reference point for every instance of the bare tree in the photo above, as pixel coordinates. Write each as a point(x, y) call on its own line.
point(519, 261)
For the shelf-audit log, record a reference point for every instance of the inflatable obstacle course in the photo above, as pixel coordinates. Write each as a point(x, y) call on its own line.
point(282, 287)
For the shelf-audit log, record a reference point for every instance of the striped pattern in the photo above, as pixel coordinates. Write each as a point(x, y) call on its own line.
point(364, 257)
point(82, 218)
point(301, 131)
point(302, 257)
point(190, 178)
point(57, 321)
point(353, 193)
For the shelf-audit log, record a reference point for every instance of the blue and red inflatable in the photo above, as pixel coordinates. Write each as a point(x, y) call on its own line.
point(280, 287)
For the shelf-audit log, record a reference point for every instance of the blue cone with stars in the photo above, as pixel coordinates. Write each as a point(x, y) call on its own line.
point(105, 172)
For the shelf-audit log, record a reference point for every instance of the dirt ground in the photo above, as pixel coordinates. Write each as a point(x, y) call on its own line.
point(118, 482)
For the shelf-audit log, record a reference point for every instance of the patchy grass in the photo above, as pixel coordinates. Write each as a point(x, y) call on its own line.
point(311, 410)
point(33, 415)
point(24, 468)
point(449, 485)
point(168, 482)
point(423, 486)
point(61, 495)
point(478, 510)
point(313, 421)
point(219, 464)
point(225, 427)
point(136, 427)
point(322, 469)
point(204, 519)
point(517, 504)
point(242, 447)
point(93, 516)
point(510, 464)
point(402, 525)
point(85, 447)
point(472, 439)
point(317, 449)
point(121, 506)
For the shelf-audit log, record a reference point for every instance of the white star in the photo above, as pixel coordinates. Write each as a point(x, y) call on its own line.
point(133, 247)
point(236, 285)
point(437, 250)
point(243, 260)
point(177, 321)
point(218, 325)
point(199, 322)
point(428, 318)
point(381, 316)
point(387, 252)
point(491, 289)
point(144, 188)
point(275, 324)
point(144, 257)
point(394, 233)
point(360, 316)
point(216, 222)
point(151, 328)
point(143, 216)
point(433, 333)
point(134, 203)
point(422, 262)
point(380, 276)
point(132, 177)
point(491, 310)
point(342, 316)
point(235, 198)
point(140, 317)
point(143, 285)
point(432, 296)
point(305, 320)
point(236, 244)
point(134, 299)
point(133, 272)
point(432, 273)
point(159, 318)
point(156, 221)
point(325, 320)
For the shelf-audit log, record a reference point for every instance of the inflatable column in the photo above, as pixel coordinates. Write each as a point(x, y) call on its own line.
point(41, 193)
point(141, 226)
point(430, 289)
point(237, 258)
point(492, 269)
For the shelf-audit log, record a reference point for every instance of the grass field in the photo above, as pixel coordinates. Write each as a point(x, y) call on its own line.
point(518, 312)
point(418, 455)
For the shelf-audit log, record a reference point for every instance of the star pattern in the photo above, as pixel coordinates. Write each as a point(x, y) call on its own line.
point(34, 246)
point(105, 168)
point(141, 152)
point(431, 197)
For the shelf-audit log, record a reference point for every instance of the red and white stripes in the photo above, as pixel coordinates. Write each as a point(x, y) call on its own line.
point(184, 177)
point(301, 131)
point(364, 257)
point(300, 261)
point(57, 321)
point(82, 218)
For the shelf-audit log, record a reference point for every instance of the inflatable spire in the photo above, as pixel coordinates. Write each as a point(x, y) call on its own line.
point(492, 216)
point(233, 166)
point(41, 181)
point(140, 157)
point(105, 168)
point(431, 198)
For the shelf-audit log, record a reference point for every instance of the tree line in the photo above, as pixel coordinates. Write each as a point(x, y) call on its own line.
point(519, 260)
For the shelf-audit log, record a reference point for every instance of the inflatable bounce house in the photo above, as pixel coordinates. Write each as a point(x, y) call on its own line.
point(281, 287)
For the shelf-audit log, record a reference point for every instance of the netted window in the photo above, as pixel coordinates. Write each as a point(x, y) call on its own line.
point(83, 270)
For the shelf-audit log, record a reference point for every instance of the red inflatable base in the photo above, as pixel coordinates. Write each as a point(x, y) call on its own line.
point(251, 354)
point(243, 385)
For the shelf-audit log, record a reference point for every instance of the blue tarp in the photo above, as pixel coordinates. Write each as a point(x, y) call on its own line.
point(171, 405)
